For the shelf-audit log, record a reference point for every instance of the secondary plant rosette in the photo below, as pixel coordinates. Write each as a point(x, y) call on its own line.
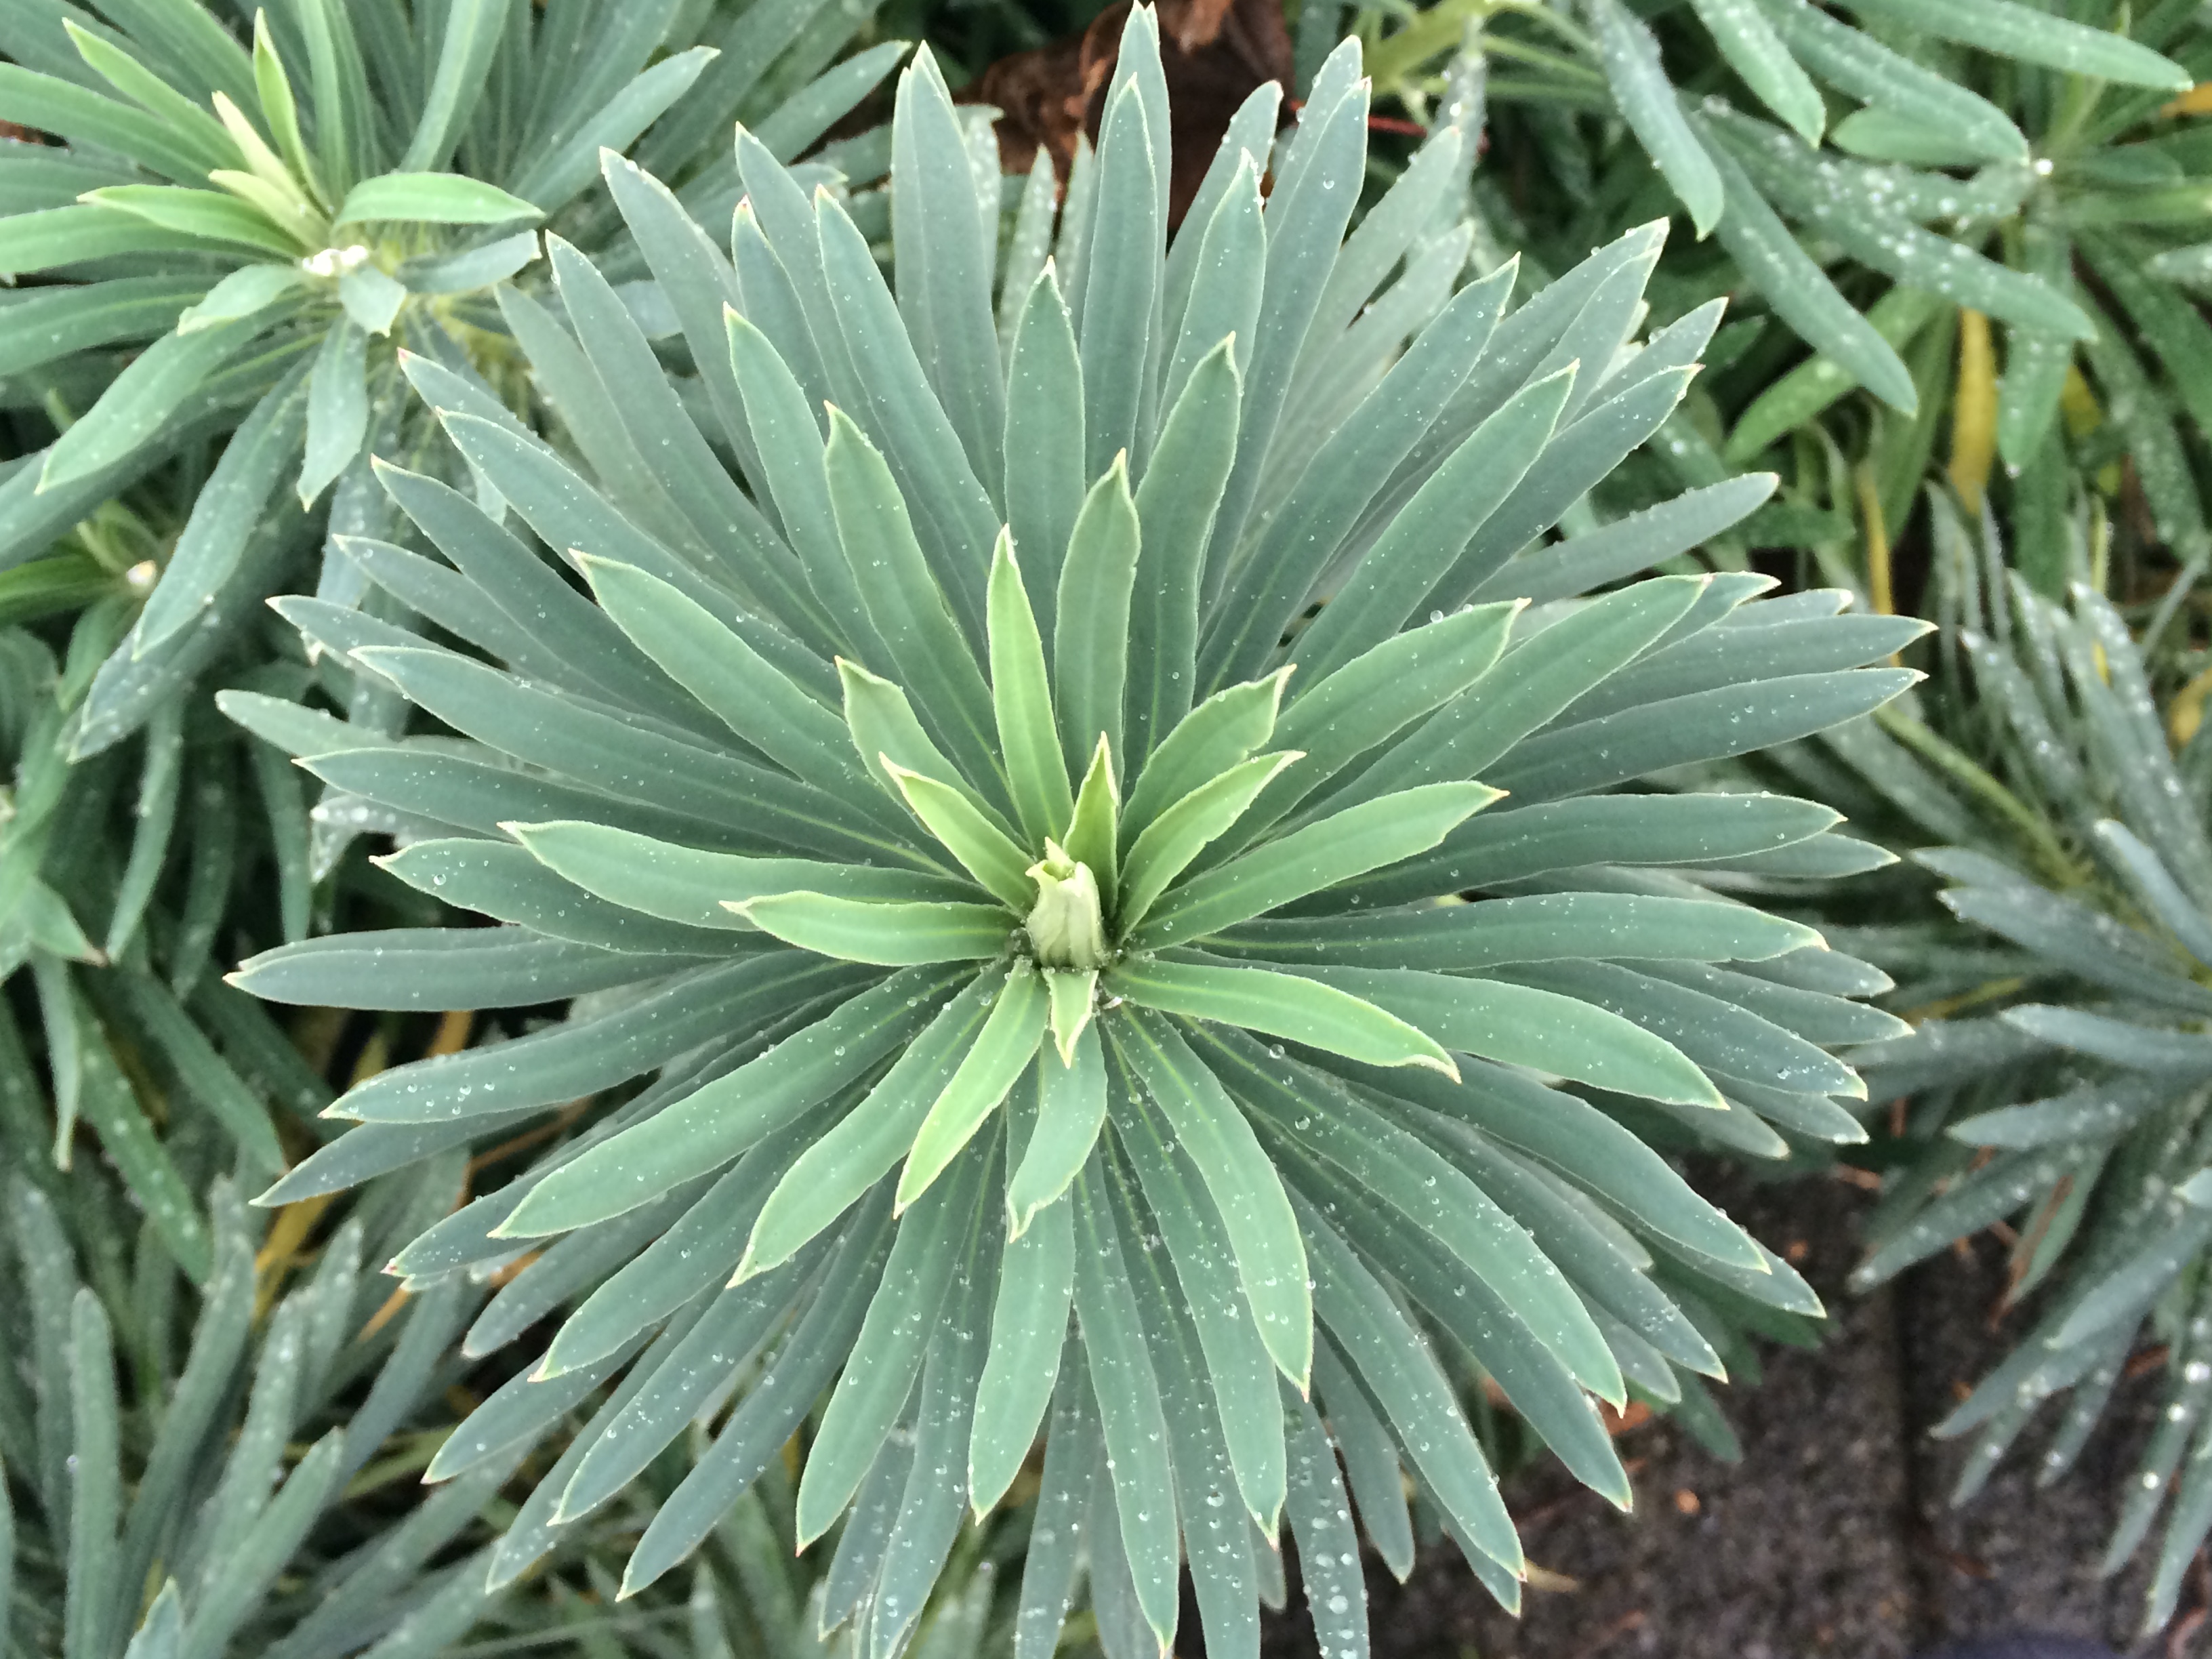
point(2060, 1073)
point(1040, 917)
point(241, 220)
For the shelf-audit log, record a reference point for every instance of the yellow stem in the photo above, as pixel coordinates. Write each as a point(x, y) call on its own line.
point(1974, 411)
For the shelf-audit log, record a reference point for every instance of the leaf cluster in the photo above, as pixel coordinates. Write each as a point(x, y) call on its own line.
point(1027, 820)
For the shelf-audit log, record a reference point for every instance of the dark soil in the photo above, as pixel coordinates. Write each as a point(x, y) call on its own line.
point(1834, 1536)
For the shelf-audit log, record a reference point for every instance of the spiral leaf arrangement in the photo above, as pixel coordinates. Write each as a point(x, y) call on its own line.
point(1021, 820)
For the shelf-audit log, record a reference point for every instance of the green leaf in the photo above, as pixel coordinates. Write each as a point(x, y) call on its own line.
point(1002, 1051)
point(111, 1109)
point(1281, 1004)
point(1305, 532)
point(1395, 1168)
point(85, 231)
point(1702, 726)
point(1244, 1184)
point(2122, 1043)
point(1350, 844)
point(1581, 458)
point(499, 879)
point(1126, 1392)
point(691, 1258)
point(1064, 1505)
point(245, 292)
point(140, 401)
point(432, 970)
point(882, 723)
point(955, 516)
point(722, 1118)
point(372, 299)
point(1185, 830)
point(878, 1377)
point(1176, 504)
point(557, 176)
point(871, 1139)
point(2064, 929)
point(929, 654)
point(1073, 995)
point(789, 443)
point(41, 326)
point(338, 410)
point(568, 1062)
point(944, 255)
point(1071, 1106)
point(1535, 1381)
point(466, 47)
point(1094, 834)
point(187, 125)
point(1801, 293)
point(2154, 885)
point(892, 935)
point(1120, 292)
point(282, 111)
point(434, 198)
point(1044, 441)
point(1866, 229)
point(1543, 1030)
point(741, 689)
point(199, 1071)
point(454, 273)
point(1029, 1329)
point(1647, 100)
point(92, 1608)
point(1398, 1369)
point(265, 184)
point(733, 1327)
point(1328, 1548)
point(1855, 63)
point(1631, 545)
point(1218, 1541)
point(208, 215)
point(45, 103)
point(1651, 831)
point(1090, 663)
point(1456, 938)
point(230, 505)
point(1243, 1374)
point(1223, 276)
point(756, 1431)
point(2028, 35)
point(676, 478)
point(1308, 207)
point(1753, 49)
point(1424, 538)
point(983, 849)
point(618, 758)
point(1379, 694)
point(791, 130)
point(1806, 391)
point(696, 886)
point(1209, 740)
point(1021, 694)
point(345, 138)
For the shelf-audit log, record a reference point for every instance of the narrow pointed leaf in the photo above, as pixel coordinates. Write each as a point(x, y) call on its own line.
point(891, 935)
point(1071, 1106)
point(1004, 1047)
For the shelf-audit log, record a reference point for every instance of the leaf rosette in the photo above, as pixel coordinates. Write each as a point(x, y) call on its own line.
point(1022, 815)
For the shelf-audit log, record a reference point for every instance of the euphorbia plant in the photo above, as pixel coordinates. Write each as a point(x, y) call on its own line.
point(229, 238)
point(1019, 815)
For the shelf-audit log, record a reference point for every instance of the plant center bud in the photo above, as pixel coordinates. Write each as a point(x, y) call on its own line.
point(1066, 928)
